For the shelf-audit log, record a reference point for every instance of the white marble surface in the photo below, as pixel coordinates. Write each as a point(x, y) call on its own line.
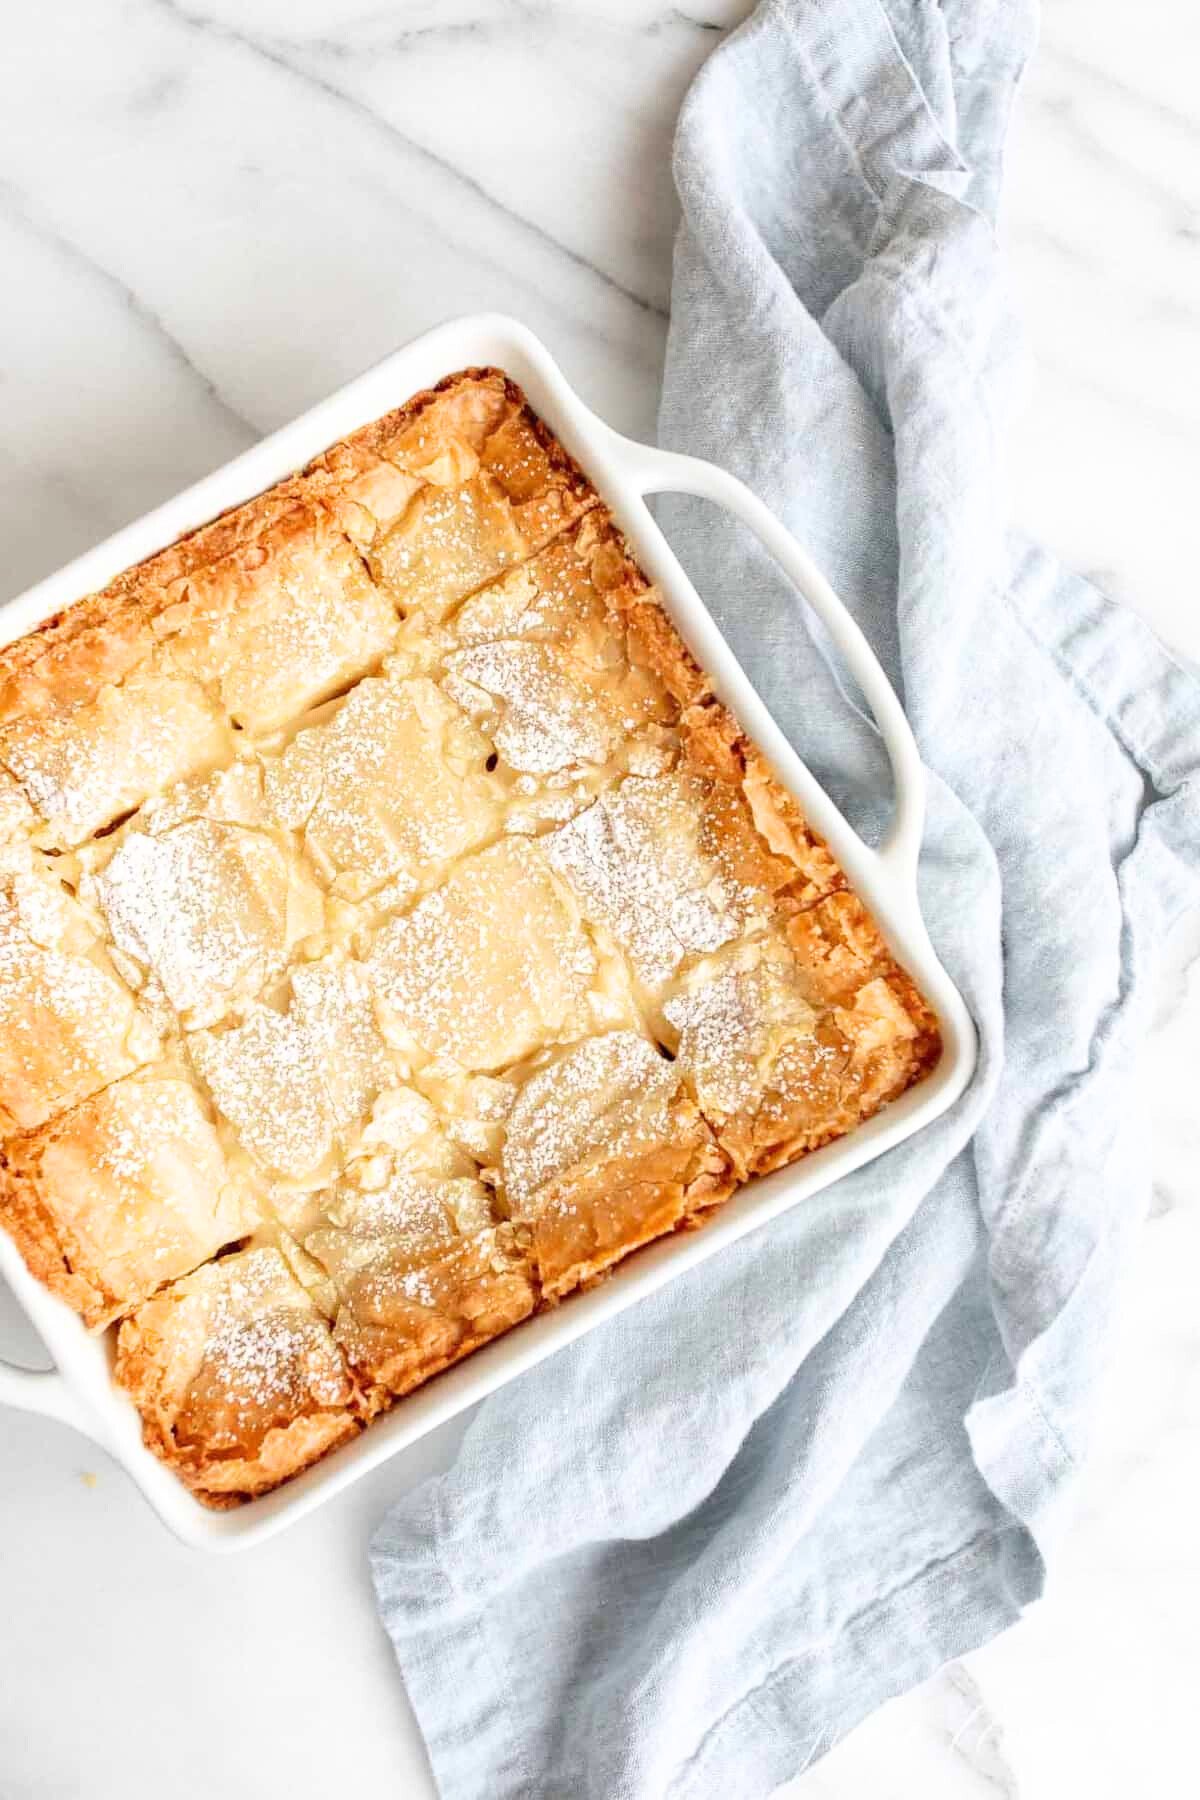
point(213, 211)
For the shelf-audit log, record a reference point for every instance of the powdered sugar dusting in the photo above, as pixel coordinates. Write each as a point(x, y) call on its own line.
point(548, 721)
point(449, 541)
point(392, 785)
point(607, 1094)
point(83, 768)
point(309, 622)
point(737, 1023)
point(266, 1347)
point(488, 965)
point(386, 1243)
point(266, 1076)
point(203, 905)
point(634, 860)
point(721, 1027)
point(67, 1025)
point(289, 1082)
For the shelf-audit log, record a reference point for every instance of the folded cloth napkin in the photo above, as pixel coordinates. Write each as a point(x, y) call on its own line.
point(688, 1553)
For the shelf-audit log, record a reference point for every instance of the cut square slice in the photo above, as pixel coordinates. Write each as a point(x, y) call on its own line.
point(604, 1151)
point(210, 908)
point(68, 1023)
point(677, 863)
point(84, 766)
point(392, 787)
point(237, 1377)
point(496, 488)
point(488, 967)
point(582, 587)
point(639, 865)
point(438, 436)
point(448, 541)
point(794, 1039)
point(545, 650)
point(122, 1194)
point(423, 1276)
point(477, 425)
point(281, 622)
point(542, 713)
point(292, 1083)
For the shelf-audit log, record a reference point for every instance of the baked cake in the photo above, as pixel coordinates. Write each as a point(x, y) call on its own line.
point(395, 932)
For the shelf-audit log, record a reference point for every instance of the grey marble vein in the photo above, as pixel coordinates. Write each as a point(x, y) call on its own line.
point(675, 15)
point(1163, 1200)
point(1054, 55)
point(1180, 989)
point(280, 54)
point(15, 210)
point(979, 1739)
point(1175, 416)
point(1063, 109)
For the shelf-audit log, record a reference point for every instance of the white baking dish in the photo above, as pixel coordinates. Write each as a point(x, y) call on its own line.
point(79, 1390)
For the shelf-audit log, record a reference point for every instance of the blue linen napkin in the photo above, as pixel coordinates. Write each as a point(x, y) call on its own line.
point(687, 1554)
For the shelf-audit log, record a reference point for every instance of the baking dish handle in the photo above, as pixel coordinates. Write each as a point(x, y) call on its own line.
point(43, 1391)
point(665, 471)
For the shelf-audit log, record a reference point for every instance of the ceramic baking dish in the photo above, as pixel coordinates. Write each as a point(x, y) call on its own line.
point(79, 1390)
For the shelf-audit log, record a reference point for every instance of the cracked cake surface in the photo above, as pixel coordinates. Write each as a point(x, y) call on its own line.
point(396, 931)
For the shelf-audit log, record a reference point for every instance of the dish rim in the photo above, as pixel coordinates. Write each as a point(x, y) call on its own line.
point(78, 1390)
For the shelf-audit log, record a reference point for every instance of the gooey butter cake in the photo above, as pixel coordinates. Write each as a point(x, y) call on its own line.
point(395, 932)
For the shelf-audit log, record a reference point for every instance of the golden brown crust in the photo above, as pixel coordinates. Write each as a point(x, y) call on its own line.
point(796, 1040)
point(102, 636)
point(306, 751)
point(397, 1334)
point(753, 823)
point(226, 1480)
point(284, 1452)
point(122, 1194)
point(68, 1023)
point(593, 1217)
point(37, 1236)
point(819, 1098)
point(604, 1150)
point(762, 835)
point(655, 641)
point(840, 947)
point(483, 409)
point(237, 1378)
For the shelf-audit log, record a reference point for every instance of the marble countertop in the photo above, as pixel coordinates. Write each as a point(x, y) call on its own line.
point(211, 213)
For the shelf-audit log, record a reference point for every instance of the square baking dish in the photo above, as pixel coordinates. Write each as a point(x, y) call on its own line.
point(79, 1391)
